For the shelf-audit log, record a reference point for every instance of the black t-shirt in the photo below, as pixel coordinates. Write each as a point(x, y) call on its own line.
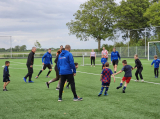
point(138, 63)
point(128, 70)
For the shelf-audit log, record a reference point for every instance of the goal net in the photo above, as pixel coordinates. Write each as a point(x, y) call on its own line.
point(87, 61)
point(153, 49)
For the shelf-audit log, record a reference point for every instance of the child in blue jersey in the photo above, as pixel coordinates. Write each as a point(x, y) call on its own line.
point(156, 63)
point(106, 78)
point(114, 59)
point(103, 61)
point(47, 63)
point(6, 76)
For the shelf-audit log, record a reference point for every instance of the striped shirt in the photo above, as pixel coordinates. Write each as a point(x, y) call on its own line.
point(105, 52)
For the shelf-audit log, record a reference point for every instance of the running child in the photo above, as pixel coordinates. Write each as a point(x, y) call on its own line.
point(127, 76)
point(106, 78)
point(103, 61)
point(6, 76)
point(139, 68)
point(156, 63)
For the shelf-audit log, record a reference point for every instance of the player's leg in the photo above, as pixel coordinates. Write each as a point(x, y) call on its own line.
point(140, 74)
point(63, 79)
point(58, 85)
point(50, 69)
point(70, 78)
point(102, 88)
point(136, 74)
point(43, 68)
point(30, 75)
point(4, 86)
point(155, 73)
point(121, 84)
point(27, 75)
point(125, 86)
point(107, 87)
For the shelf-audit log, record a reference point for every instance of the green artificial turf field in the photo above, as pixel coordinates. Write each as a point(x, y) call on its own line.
point(36, 101)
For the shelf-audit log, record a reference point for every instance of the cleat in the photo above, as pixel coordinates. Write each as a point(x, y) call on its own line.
point(5, 90)
point(136, 80)
point(99, 94)
point(142, 80)
point(47, 84)
point(119, 87)
point(105, 94)
point(77, 99)
point(123, 91)
point(57, 88)
point(24, 80)
point(67, 87)
point(60, 99)
point(30, 81)
point(36, 77)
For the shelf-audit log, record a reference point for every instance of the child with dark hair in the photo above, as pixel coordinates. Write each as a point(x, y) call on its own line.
point(127, 77)
point(6, 76)
point(106, 78)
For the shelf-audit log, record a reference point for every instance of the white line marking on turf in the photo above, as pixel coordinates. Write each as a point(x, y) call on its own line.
point(119, 77)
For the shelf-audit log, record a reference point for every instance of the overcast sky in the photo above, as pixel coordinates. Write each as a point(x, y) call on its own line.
point(43, 20)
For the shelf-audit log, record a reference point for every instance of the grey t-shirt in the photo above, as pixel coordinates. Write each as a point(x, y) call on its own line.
point(128, 70)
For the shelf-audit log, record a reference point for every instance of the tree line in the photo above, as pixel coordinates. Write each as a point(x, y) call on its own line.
point(102, 19)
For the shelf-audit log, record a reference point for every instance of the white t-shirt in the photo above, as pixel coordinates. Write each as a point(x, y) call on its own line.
point(105, 52)
point(93, 54)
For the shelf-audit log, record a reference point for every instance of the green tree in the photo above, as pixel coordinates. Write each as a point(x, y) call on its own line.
point(37, 44)
point(153, 14)
point(23, 48)
point(93, 20)
point(16, 48)
point(129, 16)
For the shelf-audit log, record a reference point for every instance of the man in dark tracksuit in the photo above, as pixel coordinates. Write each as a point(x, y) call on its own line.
point(29, 64)
point(67, 71)
point(139, 68)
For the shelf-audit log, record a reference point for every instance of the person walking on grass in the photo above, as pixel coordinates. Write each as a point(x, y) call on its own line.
point(67, 71)
point(30, 62)
point(47, 63)
point(6, 76)
point(93, 57)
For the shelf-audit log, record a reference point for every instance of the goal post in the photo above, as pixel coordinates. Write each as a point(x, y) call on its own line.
point(153, 49)
point(86, 61)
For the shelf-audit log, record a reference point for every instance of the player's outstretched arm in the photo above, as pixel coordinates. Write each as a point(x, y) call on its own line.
point(118, 72)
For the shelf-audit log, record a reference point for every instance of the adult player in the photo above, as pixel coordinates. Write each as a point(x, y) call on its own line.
point(105, 53)
point(93, 57)
point(30, 62)
point(114, 59)
point(66, 69)
point(47, 63)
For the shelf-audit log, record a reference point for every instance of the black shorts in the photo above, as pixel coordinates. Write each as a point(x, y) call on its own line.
point(6, 79)
point(105, 84)
point(47, 66)
point(115, 62)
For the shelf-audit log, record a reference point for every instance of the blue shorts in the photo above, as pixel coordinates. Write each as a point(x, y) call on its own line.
point(105, 84)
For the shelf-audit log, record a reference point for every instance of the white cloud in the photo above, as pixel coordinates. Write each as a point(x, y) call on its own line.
point(43, 20)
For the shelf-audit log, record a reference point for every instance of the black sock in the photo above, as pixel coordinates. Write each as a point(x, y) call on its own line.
point(40, 72)
point(114, 71)
point(48, 73)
